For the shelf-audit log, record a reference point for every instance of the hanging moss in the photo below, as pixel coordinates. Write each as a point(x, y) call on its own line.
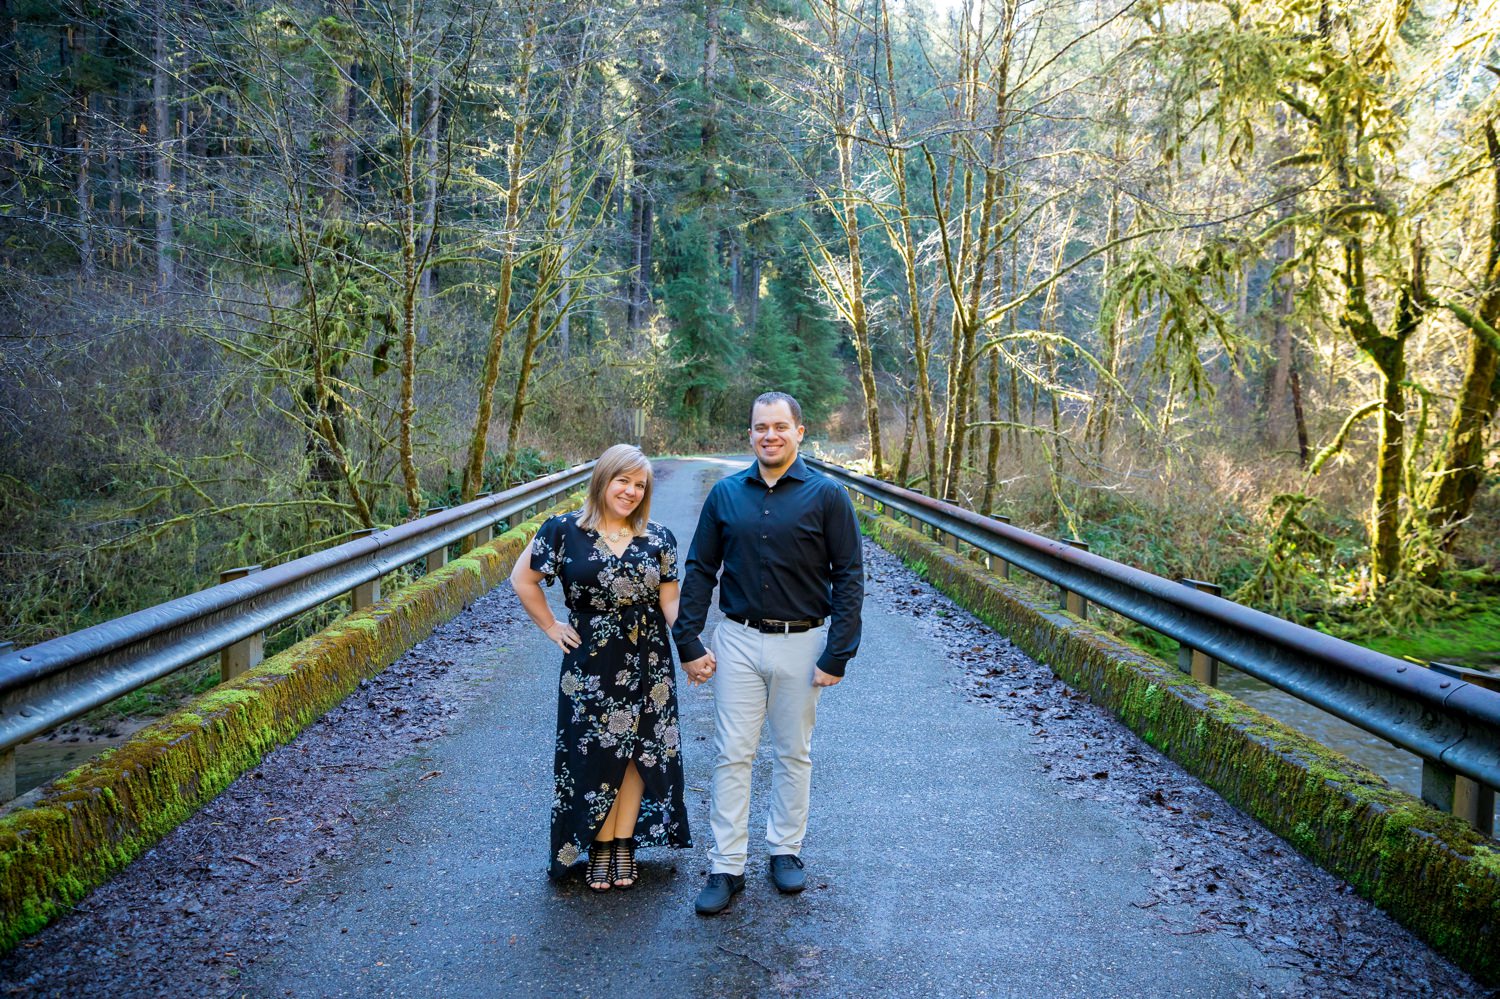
point(1430, 870)
point(92, 821)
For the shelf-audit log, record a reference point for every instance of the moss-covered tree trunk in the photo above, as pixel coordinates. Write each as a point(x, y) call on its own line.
point(1388, 352)
point(406, 139)
point(1460, 467)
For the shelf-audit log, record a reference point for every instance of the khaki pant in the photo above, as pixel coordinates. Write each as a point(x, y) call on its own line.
point(762, 678)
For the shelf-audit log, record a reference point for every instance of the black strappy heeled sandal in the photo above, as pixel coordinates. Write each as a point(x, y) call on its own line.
point(625, 865)
point(601, 873)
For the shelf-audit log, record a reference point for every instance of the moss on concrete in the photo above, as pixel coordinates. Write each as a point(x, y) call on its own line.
point(1429, 870)
point(97, 818)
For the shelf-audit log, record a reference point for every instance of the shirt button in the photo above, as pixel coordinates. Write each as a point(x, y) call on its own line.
point(766, 512)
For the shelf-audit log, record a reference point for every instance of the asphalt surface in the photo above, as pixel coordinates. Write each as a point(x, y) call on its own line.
point(942, 861)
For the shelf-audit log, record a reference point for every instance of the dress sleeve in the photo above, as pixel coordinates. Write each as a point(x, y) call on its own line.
point(668, 555)
point(547, 548)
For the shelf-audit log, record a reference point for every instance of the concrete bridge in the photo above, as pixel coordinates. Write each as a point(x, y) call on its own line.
point(979, 829)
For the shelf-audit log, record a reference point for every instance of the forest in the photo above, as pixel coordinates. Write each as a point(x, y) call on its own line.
point(1213, 285)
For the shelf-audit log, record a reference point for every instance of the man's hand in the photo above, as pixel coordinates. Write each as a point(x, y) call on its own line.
point(700, 670)
point(821, 679)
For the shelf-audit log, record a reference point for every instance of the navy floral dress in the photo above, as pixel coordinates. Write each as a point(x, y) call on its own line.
point(616, 700)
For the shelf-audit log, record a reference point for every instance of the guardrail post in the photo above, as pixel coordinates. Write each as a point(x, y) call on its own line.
point(1475, 804)
point(365, 594)
point(1071, 602)
point(1451, 792)
point(1199, 665)
point(989, 560)
point(7, 775)
point(483, 536)
point(247, 652)
point(438, 557)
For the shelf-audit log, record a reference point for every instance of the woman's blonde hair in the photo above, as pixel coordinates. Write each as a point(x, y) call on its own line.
point(617, 459)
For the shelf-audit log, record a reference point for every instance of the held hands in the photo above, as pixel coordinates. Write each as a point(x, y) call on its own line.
point(700, 670)
point(562, 633)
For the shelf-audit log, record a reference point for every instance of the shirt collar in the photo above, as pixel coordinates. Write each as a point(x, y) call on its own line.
point(796, 471)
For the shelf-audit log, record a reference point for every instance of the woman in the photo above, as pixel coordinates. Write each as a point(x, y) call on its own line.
point(618, 764)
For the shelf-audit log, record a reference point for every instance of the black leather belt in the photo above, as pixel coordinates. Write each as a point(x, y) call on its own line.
point(769, 627)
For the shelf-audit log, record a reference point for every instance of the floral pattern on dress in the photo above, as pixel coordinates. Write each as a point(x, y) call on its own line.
point(617, 697)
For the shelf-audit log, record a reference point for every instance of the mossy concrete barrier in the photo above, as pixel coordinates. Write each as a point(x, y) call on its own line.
point(94, 820)
point(1428, 869)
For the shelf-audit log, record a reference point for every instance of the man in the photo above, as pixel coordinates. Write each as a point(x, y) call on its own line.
point(791, 590)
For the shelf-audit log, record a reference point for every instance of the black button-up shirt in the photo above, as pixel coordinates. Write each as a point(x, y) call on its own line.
point(790, 552)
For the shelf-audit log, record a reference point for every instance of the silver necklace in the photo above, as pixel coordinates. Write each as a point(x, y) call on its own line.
point(616, 537)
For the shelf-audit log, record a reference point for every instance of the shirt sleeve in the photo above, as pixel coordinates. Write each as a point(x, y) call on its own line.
point(700, 575)
point(547, 549)
point(847, 575)
point(668, 555)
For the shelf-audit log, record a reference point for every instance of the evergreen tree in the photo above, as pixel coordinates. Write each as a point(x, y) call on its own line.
point(705, 335)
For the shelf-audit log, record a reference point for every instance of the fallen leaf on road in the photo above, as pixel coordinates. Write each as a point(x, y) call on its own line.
point(429, 775)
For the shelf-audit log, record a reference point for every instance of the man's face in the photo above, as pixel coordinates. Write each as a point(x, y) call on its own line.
point(775, 434)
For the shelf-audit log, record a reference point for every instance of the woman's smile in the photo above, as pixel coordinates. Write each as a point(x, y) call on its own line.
point(624, 495)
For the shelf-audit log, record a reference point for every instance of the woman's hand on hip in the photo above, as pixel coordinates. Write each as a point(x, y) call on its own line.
point(562, 633)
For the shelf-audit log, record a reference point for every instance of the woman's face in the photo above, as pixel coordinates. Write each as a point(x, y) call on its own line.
point(624, 493)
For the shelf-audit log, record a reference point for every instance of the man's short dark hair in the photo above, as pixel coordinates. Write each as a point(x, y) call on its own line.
point(771, 398)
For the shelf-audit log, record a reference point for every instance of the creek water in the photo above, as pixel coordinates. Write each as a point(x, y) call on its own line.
point(1402, 769)
point(44, 758)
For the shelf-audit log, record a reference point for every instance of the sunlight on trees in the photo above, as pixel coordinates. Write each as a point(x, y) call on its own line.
point(280, 271)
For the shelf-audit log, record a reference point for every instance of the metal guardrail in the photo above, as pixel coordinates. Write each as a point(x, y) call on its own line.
point(1451, 723)
point(47, 684)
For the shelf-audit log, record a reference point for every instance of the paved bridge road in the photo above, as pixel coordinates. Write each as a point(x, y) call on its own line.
point(977, 830)
point(942, 861)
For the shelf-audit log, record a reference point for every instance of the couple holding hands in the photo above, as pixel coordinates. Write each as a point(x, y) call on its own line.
point(792, 583)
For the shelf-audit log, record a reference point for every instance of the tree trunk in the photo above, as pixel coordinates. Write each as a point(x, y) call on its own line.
point(985, 245)
point(1389, 355)
point(921, 404)
point(992, 453)
point(162, 153)
point(500, 325)
point(633, 279)
point(1274, 406)
point(116, 222)
point(1102, 407)
point(1304, 454)
point(341, 103)
point(548, 269)
point(432, 132)
point(411, 264)
point(903, 467)
point(523, 383)
point(1389, 466)
point(1459, 470)
point(752, 300)
point(83, 191)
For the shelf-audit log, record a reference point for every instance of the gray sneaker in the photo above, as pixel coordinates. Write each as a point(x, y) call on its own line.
point(715, 896)
point(787, 873)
